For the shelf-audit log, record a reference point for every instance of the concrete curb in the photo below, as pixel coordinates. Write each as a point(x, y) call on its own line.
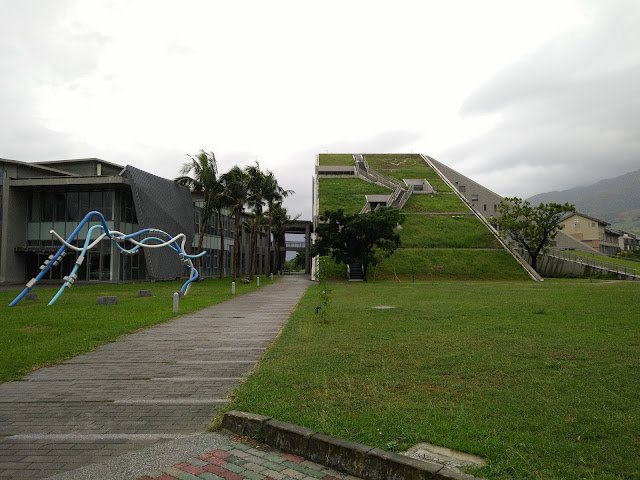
point(349, 457)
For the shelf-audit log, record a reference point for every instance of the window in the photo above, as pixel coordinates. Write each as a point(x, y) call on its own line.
point(107, 205)
point(462, 188)
point(73, 207)
point(495, 208)
point(485, 207)
point(84, 203)
point(196, 220)
point(95, 201)
point(474, 197)
point(47, 205)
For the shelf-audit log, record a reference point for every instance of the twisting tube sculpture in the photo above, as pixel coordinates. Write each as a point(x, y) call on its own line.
point(159, 239)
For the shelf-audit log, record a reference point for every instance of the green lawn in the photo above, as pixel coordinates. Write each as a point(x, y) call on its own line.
point(440, 231)
point(346, 193)
point(406, 166)
point(541, 379)
point(337, 159)
point(34, 335)
point(434, 202)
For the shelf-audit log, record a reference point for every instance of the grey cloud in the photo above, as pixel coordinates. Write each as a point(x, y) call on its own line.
point(573, 106)
point(35, 52)
point(390, 141)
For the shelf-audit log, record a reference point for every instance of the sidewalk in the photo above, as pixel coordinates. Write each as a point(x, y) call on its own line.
point(207, 456)
point(160, 384)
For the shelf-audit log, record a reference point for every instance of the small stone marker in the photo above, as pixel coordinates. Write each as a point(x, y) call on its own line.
point(106, 300)
point(258, 281)
point(233, 288)
point(176, 302)
point(145, 293)
point(445, 456)
point(31, 296)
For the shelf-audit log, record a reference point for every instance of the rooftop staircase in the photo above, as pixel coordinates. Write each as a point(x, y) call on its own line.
point(355, 272)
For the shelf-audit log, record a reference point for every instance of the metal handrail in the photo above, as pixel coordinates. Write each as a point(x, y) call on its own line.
point(599, 264)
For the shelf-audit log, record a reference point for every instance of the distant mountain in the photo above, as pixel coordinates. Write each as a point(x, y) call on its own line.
point(615, 200)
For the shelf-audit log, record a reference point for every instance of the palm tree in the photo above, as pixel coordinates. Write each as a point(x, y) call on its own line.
point(236, 182)
point(200, 175)
point(255, 201)
point(221, 200)
point(273, 194)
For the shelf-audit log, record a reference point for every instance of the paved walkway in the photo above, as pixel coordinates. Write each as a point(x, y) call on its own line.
point(159, 384)
point(208, 456)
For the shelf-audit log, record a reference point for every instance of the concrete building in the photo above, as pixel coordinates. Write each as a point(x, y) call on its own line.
point(483, 200)
point(38, 197)
point(592, 232)
point(629, 241)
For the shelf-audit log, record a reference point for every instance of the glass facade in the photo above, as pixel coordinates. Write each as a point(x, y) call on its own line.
point(62, 211)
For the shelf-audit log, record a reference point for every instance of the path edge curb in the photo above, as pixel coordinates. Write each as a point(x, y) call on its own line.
point(339, 454)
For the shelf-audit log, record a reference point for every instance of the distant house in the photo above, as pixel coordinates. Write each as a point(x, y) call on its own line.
point(593, 232)
point(629, 241)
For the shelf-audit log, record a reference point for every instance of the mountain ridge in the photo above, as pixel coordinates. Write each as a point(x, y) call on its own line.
point(615, 200)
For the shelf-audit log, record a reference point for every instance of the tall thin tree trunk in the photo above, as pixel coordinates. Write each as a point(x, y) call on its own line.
point(221, 251)
point(236, 245)
point(203, 229)
point(252, 252)
point(271, 259)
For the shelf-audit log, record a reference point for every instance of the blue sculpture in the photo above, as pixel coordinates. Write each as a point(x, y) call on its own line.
point(116, 238)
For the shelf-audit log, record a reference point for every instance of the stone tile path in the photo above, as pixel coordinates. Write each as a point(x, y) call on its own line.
point(237, 460)
point(212, 456)
point(159, 384)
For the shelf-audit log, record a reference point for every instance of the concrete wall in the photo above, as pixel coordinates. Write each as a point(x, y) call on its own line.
point(483, 200)
point(557, 267)
point(15, 204)
point(567, 242)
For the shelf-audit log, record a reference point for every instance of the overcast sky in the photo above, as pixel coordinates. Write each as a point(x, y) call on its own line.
point(523, 97)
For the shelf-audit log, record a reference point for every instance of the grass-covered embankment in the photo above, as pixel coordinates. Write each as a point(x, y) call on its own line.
point(540, 379)
point(346, 193)
point(34, 335)
point(336, 159)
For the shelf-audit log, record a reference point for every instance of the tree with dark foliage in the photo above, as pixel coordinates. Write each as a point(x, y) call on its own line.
point(361, 238)
point(532, 228)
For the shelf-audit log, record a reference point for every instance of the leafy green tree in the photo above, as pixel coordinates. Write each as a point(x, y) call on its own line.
point(532, 228)
point(360, 238)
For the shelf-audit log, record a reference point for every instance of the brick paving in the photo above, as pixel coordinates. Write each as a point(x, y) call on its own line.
point(162, 383)
point(238, 460)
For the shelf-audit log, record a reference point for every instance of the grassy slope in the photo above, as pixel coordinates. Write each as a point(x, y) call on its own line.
point(447, 263)
point(540, 379)
point(430, 231)
point(346, 193)
point(34, 335)
point(337, 159)
point(436, 202)
point(425, 238)
point(406, 166)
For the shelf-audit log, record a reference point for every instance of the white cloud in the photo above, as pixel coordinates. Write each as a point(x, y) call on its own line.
point(145, 82)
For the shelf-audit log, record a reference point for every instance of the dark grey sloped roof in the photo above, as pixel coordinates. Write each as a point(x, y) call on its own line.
point(163, 204)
